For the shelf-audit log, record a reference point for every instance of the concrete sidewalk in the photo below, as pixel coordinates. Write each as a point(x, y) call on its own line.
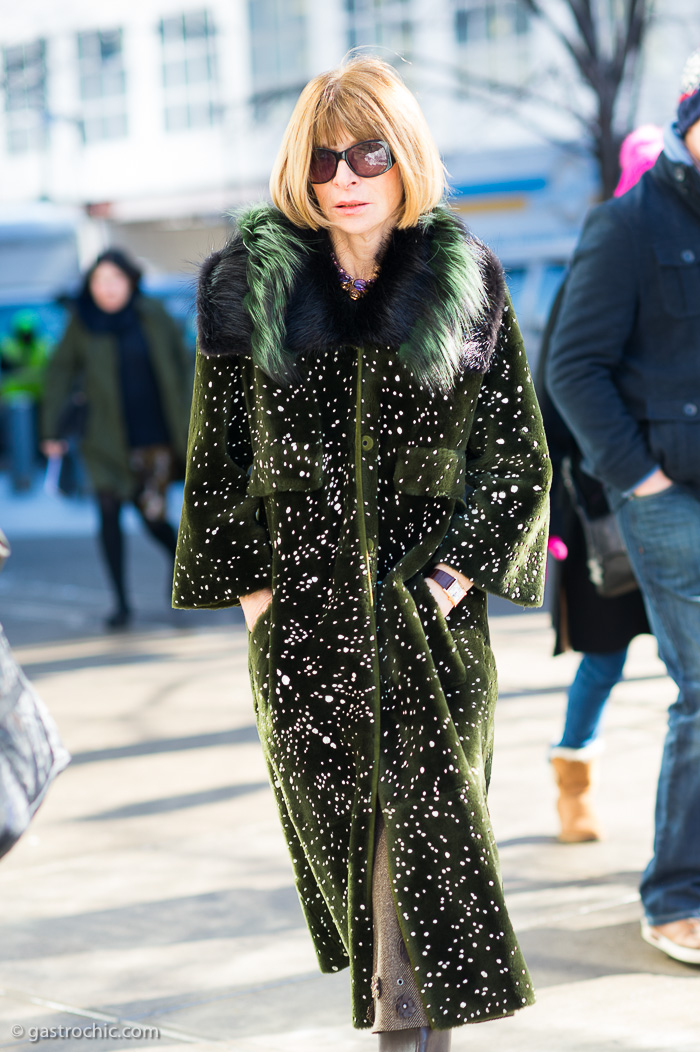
point(154, 889)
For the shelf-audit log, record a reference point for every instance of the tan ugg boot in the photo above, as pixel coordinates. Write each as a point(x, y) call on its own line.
point(576, 780)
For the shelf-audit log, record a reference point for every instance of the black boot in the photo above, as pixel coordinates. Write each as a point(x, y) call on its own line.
point(415, 1039)
point(119, 619)
point(112, 543)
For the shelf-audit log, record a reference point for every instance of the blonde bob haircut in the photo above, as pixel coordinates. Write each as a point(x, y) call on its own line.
point(363, 99)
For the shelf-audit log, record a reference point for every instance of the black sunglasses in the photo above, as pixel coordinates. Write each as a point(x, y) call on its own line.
point(366, 159)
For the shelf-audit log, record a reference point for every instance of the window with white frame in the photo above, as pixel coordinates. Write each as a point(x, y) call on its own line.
point(384, 23)
point(478, 20)
point(25, 96)
point(190, 77)
point(278, 34)
point(102, 84)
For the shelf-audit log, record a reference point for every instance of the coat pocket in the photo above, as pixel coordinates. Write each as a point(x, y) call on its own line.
point(286, 466)
point(431, 471)
point(679, 272)
point(674, 437)
point(259, 660)
point(437, 634)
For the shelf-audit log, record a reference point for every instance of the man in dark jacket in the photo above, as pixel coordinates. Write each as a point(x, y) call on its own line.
point(624, 371)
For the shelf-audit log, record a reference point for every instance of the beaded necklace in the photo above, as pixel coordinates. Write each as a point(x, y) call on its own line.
point(355, 287)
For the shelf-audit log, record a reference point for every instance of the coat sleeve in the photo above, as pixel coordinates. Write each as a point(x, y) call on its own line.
point(560, 441)
point(589, 343)
point(182, 360)
point(182, 357)
point(223, 549)
point(65, 365)
point(499, 539)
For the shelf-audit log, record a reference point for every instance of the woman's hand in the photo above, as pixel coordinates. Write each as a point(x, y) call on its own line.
point(440, 595)
point(254, 605)
point(445, 604)
point(654, 484)
point(54, 447)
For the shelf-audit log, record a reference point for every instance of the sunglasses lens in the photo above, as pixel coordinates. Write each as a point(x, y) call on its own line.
point(323, 166)
point(368, 159)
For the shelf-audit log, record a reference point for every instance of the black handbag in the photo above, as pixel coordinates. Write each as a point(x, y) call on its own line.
point(609, 567)
point(31, 750)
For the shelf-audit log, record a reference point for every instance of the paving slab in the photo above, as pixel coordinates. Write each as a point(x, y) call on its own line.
point(154, 888)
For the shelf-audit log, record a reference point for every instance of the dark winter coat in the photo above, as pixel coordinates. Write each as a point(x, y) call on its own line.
point(338, 450)
point(625, 363)
point(583, 619)
point(91, 359)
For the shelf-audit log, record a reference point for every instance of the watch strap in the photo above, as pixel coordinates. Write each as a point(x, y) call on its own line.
point(450, 585)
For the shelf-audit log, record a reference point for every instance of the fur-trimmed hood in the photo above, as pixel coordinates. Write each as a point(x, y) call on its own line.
point(273, 293)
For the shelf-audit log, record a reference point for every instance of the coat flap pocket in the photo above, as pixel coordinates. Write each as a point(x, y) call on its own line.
point(286, 466)
point(677, 253)
point(431, 471)
point(687, 409)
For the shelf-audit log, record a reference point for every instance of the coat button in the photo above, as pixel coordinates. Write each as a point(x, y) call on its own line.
point(687, 255)
point(367, 441)
point(406, 1007)
point(690, 409)
point(679, 173)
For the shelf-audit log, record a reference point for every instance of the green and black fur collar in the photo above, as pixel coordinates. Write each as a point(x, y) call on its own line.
point(273, 292)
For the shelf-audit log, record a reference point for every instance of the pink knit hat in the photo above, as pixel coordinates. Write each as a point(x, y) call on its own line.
point(638, 154)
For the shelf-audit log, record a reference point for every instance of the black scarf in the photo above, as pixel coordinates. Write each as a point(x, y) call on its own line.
point(141, 402)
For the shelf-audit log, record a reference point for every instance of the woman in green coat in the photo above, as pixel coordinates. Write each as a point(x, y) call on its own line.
point(366, 462)
point(126, 357)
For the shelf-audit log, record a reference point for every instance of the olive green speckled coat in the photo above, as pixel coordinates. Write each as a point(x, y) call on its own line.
point(337, 451)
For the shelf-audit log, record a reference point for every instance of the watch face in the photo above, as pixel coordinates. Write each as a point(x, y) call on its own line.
point(455, 591)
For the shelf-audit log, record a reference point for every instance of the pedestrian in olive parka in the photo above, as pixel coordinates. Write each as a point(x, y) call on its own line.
point(123, 371)
point(366, 463)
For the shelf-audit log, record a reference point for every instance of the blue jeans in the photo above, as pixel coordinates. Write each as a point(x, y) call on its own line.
point(595, 677)
point(662, 533)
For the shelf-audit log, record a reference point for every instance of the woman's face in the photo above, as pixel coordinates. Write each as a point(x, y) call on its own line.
point(354, 205)
point(692, 141)
point(110, 287)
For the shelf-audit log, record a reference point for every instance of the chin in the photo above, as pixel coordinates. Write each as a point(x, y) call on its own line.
point(352, 224)
point(360, 224)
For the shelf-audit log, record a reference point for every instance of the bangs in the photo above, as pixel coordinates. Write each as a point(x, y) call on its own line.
point(342, 112)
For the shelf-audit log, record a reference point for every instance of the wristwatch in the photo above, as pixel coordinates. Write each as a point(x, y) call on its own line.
point(450, 585)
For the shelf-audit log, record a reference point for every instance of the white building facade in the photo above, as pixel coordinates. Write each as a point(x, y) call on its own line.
point(158, 116)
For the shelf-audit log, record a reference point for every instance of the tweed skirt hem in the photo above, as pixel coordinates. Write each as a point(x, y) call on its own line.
point(397, 1000)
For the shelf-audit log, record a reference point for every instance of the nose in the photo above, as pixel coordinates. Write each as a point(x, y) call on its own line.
point(344, 175)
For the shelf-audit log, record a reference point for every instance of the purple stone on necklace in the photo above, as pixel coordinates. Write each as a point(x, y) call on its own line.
point(355, 287)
